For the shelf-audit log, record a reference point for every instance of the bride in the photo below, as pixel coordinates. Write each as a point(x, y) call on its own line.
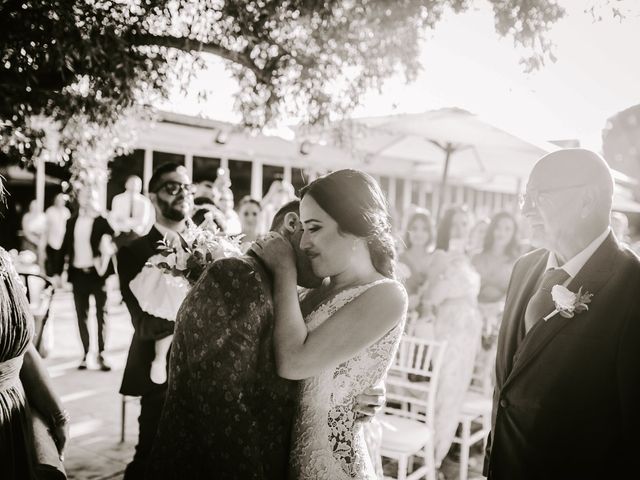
point(342, 336)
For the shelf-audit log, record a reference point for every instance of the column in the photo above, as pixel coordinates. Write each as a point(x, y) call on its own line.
point(286, 176)
point(147, 169)
point(40, 181)
point(256, 179)
point(188, 163)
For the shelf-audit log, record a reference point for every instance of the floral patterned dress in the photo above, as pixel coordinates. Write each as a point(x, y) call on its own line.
point(16, 329)
point(328, 443)
point(227, 415)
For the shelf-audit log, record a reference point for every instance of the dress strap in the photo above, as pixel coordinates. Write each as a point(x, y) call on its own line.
point(10, 372)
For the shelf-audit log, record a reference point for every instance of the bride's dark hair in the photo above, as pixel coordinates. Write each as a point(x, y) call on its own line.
point(354, 200)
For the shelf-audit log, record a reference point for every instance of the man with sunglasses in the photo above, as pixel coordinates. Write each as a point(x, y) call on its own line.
point(171, 192)
point(568, 364)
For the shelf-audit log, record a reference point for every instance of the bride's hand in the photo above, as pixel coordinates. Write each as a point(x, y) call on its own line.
point(276, 252)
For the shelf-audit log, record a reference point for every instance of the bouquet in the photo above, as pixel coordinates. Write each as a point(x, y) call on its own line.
point(165, 280)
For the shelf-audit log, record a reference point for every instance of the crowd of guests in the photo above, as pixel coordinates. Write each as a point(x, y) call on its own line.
point(456, 272)
point(456, 275)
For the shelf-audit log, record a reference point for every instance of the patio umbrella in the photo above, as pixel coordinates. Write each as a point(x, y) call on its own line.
point(446, 139)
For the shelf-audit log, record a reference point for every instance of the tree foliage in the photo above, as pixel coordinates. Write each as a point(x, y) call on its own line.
point(96, 59)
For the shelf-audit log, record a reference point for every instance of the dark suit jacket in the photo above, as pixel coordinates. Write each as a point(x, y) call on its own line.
point(147, 328)
point(227, 414)
point(567, 396)
point(99, 228)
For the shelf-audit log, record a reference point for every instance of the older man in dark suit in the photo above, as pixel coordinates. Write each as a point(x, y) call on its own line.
point(171, 193)
point(568, 378)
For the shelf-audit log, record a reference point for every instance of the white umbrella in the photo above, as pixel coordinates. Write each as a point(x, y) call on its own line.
point(450, 141)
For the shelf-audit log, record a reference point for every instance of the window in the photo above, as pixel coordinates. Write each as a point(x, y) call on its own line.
point(160, 158)
point(299, 179)
point(205, 168)
point(240, 174)
point(269, 174)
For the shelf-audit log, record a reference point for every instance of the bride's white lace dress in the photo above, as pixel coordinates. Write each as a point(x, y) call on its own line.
point(328, 443)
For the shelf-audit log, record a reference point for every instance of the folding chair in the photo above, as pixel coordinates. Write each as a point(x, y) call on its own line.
point(409, 413)
point(39, 292)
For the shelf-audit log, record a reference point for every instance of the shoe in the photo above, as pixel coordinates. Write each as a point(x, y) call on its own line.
point(104, 366)
point(83, 363)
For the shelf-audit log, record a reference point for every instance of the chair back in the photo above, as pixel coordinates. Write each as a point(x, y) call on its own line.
point(412, 382)
point(38, 290)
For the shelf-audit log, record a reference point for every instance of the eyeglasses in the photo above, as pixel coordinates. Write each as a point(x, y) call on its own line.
point(172, 188)
point(533, 195)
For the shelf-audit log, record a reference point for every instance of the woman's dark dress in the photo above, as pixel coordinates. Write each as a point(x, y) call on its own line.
point(16, 330)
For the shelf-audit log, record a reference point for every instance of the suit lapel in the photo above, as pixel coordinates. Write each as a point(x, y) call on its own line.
point(514, 314)
point(591, 278)
point(153, 237)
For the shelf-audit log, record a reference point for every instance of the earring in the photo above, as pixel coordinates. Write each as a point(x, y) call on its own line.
point(354, 245)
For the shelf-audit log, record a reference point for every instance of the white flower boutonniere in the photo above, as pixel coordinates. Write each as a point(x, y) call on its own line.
point(567, 302)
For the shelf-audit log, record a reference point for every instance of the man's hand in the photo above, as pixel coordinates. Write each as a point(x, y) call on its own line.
point(370, 402)
point(276, 252)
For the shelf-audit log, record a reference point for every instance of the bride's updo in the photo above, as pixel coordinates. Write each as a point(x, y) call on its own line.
point(354, 200)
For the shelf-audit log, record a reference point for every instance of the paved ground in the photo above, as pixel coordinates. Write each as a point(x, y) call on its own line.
point(95, 450)
point(91, 396)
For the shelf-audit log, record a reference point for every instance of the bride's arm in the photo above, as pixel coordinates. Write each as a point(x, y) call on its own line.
point(301, 354)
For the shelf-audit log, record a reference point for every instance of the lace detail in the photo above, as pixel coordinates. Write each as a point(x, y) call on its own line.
point(328, 443)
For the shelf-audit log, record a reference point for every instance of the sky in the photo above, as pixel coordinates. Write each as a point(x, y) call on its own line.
point(466, 64)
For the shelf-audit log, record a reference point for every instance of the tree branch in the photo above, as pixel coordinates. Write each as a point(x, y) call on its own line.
point(190, 45)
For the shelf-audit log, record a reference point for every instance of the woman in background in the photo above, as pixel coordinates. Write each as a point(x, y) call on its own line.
point(249, 211)
point(450, 313)
point(34, 229)
point(477, 235)
point(412, 264)
point(494, 264)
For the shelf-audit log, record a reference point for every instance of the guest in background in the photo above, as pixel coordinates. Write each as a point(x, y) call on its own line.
point(620, 227)
point(171, 193)
point(494, 264)
point(57, 215)
point(413, 261)
point(231, 218)
point(450, 313)
point(81, 245)
point(279, 194)
point(34, 226)
point(203, 210)
point(249, 211)
point(131, 212)
point(500, 251)
point(477, 235)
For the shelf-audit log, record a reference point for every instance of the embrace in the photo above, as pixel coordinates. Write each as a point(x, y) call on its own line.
point(269, 382)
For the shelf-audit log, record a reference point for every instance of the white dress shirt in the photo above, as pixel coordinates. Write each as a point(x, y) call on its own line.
point(131, 212)
point(56, 224)
point(575, 264)
point(82, 253)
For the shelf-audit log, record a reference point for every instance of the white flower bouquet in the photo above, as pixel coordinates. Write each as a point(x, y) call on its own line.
point(165, 280)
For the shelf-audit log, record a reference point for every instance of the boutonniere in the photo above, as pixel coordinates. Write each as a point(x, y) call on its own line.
point(567, 302)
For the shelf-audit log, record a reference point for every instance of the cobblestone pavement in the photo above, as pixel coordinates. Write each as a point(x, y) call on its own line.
point(91, 396)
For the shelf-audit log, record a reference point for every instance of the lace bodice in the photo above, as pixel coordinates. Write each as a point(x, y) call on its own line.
point(328, 443)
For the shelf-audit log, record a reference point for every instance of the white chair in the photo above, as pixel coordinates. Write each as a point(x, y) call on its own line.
point(475, 415)
point(408, 415)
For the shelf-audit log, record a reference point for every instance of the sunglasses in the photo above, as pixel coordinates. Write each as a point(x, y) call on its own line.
point(173, 188)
